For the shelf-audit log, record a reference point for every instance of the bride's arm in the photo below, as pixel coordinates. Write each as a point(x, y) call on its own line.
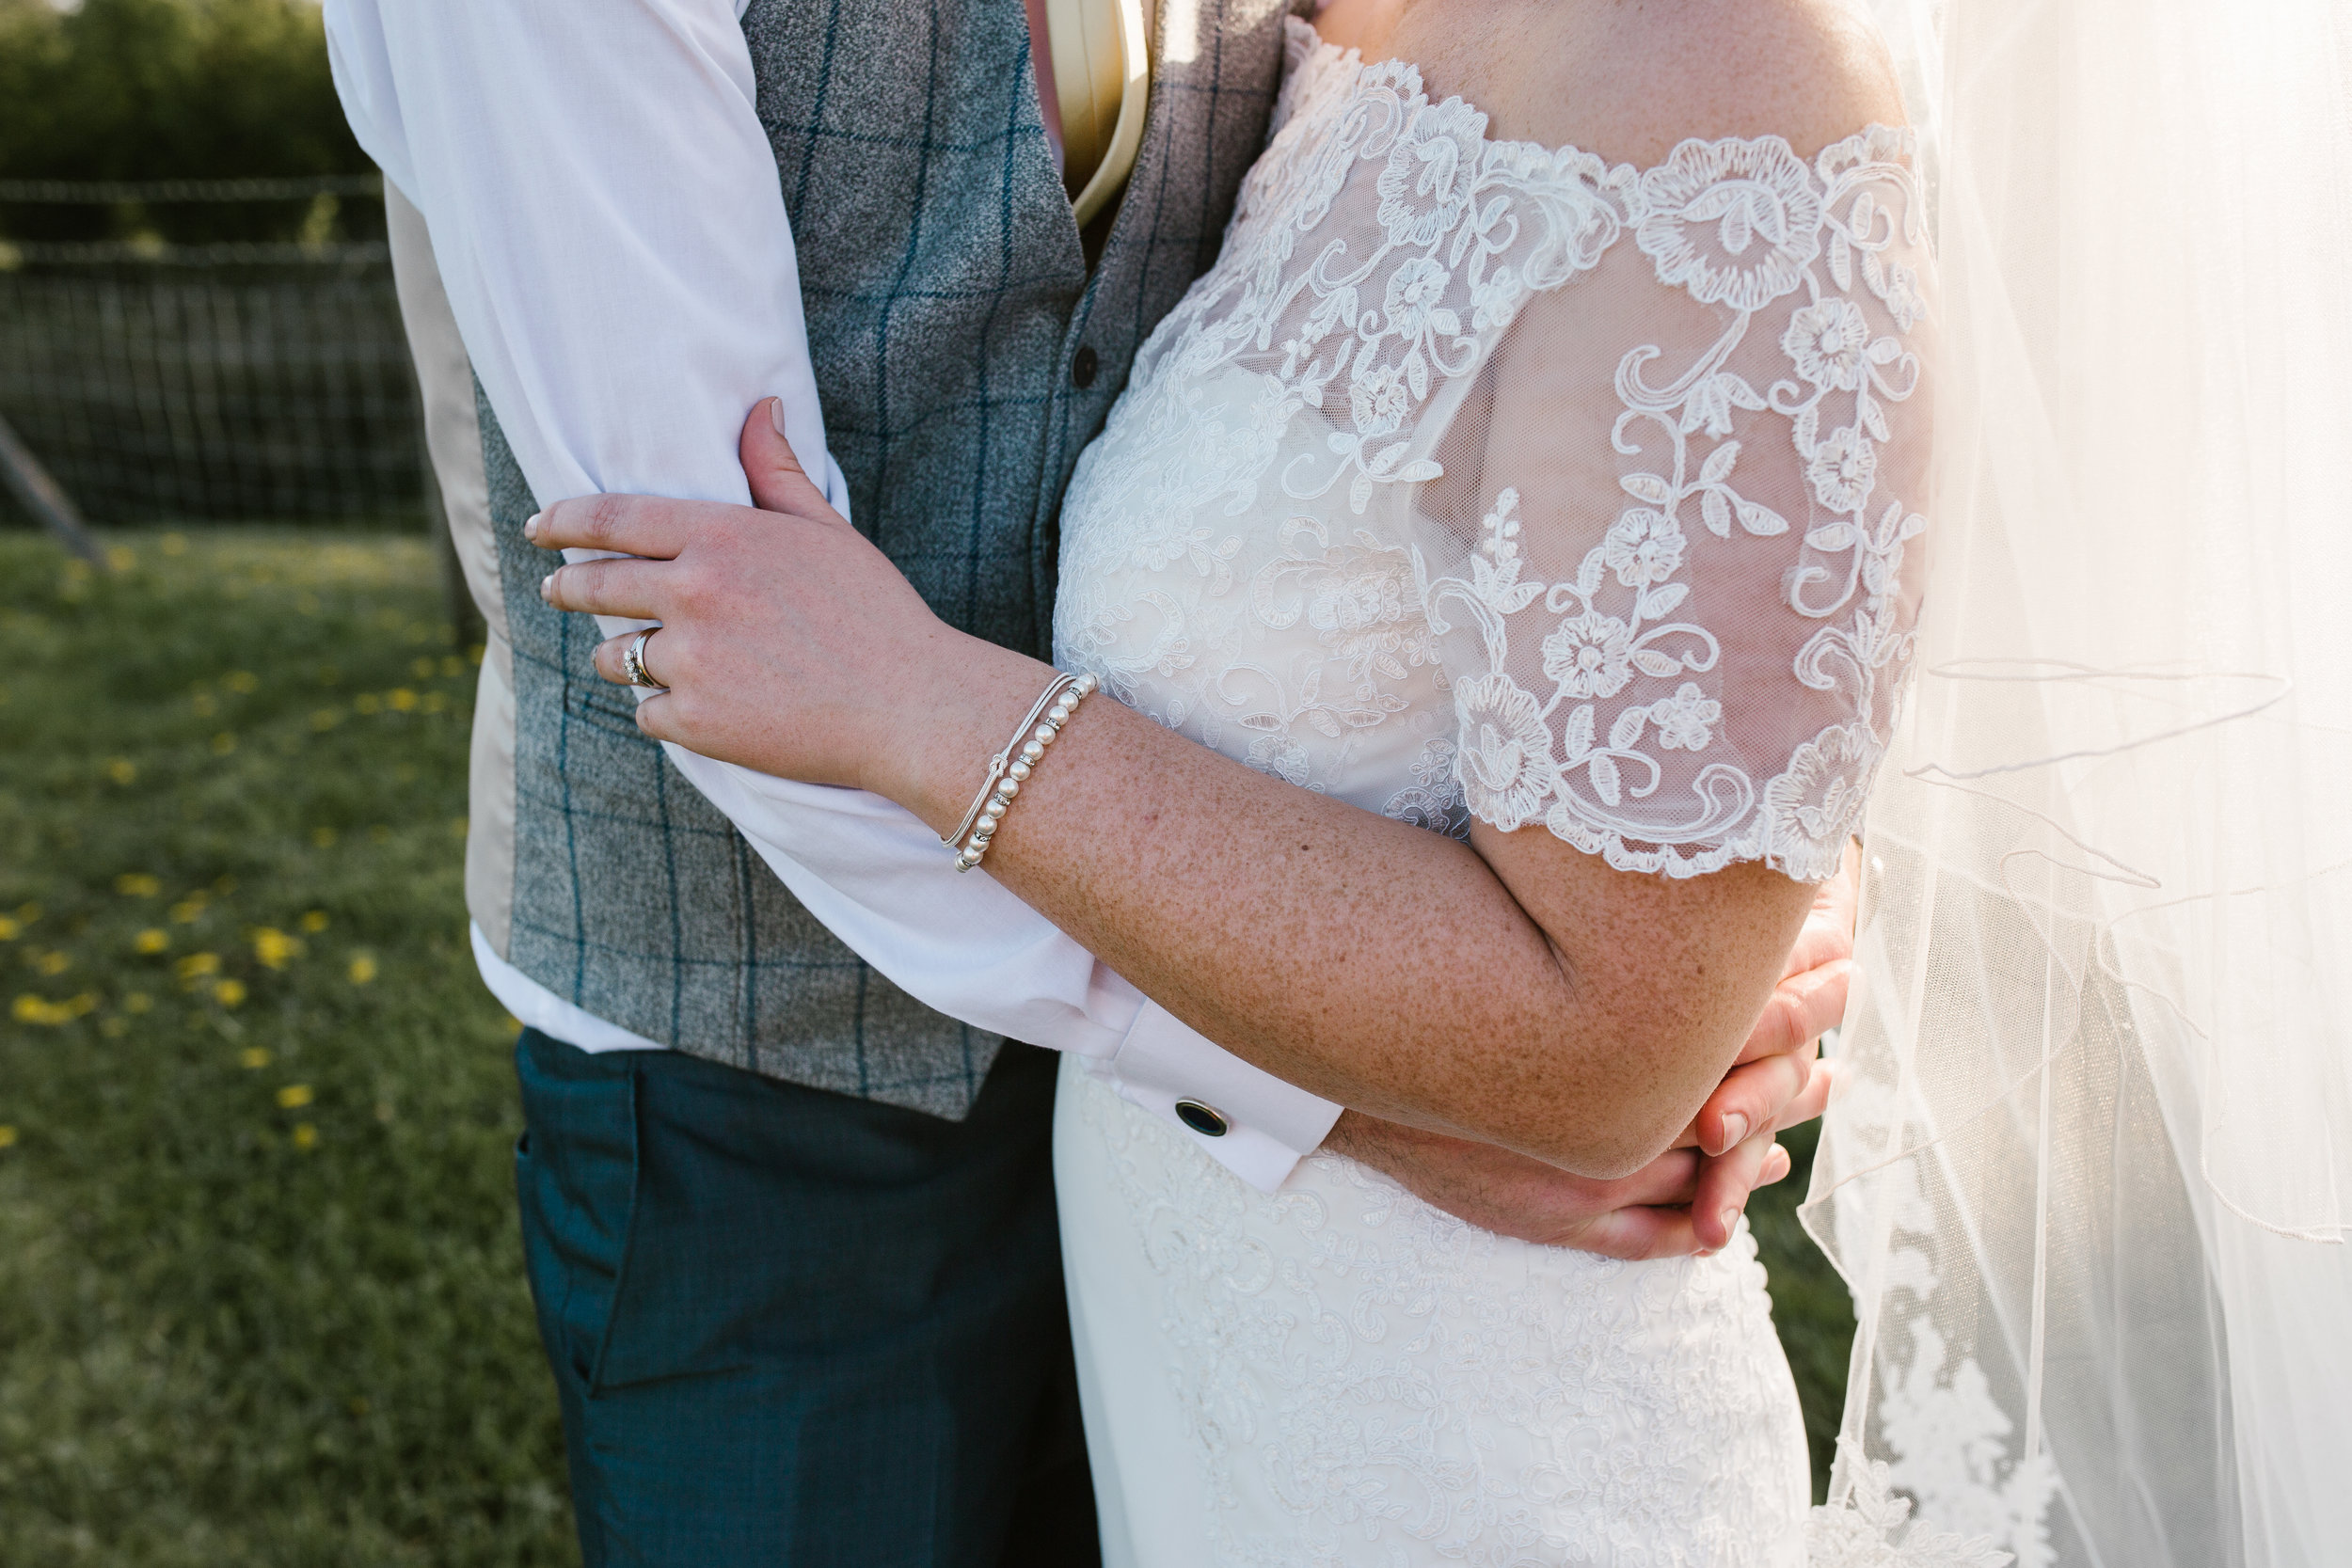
point(1516, 991)
point(1519, 993)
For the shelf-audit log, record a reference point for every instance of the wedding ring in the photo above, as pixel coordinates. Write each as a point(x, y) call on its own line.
point(633, 662)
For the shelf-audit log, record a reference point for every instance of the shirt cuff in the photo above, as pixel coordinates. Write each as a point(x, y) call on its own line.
point(1270, 1125)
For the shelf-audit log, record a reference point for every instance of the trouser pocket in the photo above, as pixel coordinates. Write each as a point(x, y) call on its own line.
point(576, 1177)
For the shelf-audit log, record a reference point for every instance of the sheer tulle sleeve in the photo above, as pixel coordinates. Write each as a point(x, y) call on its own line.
point(1671, 553)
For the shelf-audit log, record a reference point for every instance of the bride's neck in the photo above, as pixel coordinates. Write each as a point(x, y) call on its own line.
point(1627, 80)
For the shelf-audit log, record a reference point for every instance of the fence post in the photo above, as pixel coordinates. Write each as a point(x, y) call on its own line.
point(44, 498)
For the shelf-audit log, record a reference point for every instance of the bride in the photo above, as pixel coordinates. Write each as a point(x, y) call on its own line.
point(1499, 572)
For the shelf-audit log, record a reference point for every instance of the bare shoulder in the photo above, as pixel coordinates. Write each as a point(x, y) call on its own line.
point(1628, 79)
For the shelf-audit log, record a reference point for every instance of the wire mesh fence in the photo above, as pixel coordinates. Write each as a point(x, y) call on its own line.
point(211, 382)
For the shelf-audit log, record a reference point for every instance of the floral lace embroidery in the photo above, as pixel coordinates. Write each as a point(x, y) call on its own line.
point(1231, 568)
point(1861, 1534)
point(1946, 1437)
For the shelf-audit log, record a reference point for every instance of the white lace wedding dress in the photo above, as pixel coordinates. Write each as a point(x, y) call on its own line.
point(1485, 480)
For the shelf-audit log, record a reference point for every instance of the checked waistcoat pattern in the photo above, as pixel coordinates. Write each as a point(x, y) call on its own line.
point(965, 355)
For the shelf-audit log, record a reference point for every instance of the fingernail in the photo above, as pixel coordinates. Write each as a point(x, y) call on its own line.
point(547, 588)
point(1731, 1220)
point(531, 525)
point(775, 413)
point(1775, 1164)
point(1735, 1130)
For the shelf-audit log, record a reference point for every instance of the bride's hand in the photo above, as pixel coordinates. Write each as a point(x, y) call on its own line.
point(789, 642)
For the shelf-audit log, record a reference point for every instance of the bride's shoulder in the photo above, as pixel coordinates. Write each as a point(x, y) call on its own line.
point(1628, 80)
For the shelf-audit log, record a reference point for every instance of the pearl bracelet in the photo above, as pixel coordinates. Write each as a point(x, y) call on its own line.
point(1010, 769)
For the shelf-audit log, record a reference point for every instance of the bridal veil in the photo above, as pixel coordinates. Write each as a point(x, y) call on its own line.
point(2092, 1178)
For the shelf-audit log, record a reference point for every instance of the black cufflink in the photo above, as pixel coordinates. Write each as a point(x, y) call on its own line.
point(1205, 1119)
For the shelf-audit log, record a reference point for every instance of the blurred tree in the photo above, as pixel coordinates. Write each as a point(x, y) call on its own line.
point(173, 89)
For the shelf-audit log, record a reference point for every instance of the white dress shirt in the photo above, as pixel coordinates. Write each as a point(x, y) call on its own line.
point(606, 215)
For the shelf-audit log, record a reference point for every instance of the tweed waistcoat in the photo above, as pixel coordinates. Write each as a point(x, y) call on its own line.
point(966, 354)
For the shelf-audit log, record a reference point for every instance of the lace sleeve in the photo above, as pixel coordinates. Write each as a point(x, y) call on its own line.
point(1669, 554)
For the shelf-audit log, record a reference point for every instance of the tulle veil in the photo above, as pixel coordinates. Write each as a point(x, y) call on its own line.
point(2092, 1181)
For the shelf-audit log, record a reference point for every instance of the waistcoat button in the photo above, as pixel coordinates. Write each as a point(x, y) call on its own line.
point(1203, 1120)
point(1083, 366)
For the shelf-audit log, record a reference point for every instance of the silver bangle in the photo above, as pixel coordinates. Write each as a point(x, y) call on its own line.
point(1010, 769)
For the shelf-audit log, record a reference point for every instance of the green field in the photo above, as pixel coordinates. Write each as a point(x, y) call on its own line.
point(261, 1296)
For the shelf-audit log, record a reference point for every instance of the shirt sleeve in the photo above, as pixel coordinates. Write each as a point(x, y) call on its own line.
point(605, 216)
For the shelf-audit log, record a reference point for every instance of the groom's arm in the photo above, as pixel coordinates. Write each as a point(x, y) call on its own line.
point(604, 211)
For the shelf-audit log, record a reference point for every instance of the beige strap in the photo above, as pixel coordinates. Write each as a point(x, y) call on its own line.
point(1102, 78)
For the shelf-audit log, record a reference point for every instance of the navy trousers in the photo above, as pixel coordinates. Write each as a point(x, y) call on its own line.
point(796, 1329)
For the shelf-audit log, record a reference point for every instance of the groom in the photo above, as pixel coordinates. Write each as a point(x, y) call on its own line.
point(789, 1228)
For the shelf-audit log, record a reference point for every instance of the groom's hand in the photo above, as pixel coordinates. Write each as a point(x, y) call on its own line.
point(1689, 1198)
point(1646, 1214)
point(1780, 1079)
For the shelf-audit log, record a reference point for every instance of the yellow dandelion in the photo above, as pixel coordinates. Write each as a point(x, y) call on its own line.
point(224, 743)
point(294, 1096)
point(436, 701)
point(477, 653)
point(27, 914)
point(52, 963)
point(423, 669)
point(274, 947)
point(402, 699)
point(327, 719)
point(195, 966)
point(457, 826)
point(322, 837)
point(362, 970)
point(252, 1058)
point(113, 1028)
point(122, 557)
point(202, 702)
point(451, 667)
point(8, 928)
point(121, 769)
point(228, 993)
point(137, 1002)
point(175, 544)
point(152, 940)
point(137, 885)
point(241, 681)
point(224, 886)
point(36, 1009)
point(190, 910)
point(367, 701)
point(8, 1137)
point(306, 1136)
point(314, 920)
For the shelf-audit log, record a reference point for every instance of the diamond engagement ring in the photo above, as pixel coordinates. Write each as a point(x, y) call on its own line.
point(633, 662)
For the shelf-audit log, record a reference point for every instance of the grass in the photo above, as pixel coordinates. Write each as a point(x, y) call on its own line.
point(261, 1296)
